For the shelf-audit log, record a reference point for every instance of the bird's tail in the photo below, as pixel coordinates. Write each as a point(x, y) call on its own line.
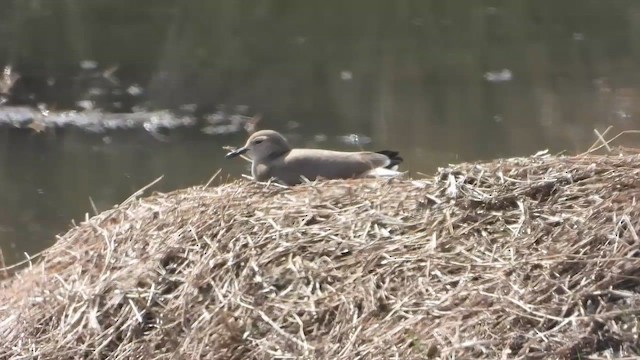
point(394, 156)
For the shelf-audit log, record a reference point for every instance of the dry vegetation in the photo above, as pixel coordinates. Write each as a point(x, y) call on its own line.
point(534, 258)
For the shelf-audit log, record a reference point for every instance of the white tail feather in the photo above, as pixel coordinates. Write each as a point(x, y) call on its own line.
point(383, 172)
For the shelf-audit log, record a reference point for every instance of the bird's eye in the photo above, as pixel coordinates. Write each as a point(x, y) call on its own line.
point(257, 141)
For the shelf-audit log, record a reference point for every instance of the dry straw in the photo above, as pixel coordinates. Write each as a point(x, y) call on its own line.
point(534, 258)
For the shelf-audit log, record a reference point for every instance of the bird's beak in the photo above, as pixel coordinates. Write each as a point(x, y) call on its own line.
point(237, 152)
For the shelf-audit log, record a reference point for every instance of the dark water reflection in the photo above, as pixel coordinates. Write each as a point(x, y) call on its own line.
point(442, 81)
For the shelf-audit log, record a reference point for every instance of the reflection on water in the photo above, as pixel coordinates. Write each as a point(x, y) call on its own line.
point(440, 81)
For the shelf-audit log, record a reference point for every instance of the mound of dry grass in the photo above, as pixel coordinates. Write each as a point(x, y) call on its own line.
point(533, 258)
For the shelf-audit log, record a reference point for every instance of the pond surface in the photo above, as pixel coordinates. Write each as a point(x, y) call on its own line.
point(440, 81)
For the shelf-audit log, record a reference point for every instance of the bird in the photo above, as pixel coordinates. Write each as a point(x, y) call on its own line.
point(273, 158)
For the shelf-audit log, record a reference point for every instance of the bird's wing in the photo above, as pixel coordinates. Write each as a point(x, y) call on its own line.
point(313, 163)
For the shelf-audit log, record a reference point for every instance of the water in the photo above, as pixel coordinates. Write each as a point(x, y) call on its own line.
point(442, 82)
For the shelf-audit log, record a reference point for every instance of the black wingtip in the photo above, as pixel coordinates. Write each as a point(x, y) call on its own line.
point(394, 156)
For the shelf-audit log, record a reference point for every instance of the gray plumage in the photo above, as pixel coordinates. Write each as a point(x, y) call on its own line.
point(272, 157)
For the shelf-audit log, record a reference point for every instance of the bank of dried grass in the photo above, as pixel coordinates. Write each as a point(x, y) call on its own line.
point(533, 258)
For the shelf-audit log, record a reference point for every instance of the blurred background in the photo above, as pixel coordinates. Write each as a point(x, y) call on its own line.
point(101, 97)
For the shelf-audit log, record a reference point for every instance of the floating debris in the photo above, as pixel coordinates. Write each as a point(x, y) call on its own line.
point(222, 122)
point(354, 139)
point(85, 104)
point(499, 76)
point(88, 64)
point(135, 90)
point(7, 80)
point(93, 120)
point(38, 125)
point(320, 138)
point(189, 107)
